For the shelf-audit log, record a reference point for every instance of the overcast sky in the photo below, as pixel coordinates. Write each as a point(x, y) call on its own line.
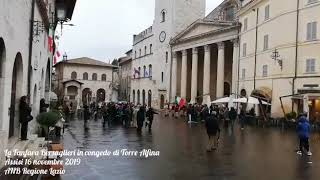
point(104, 29)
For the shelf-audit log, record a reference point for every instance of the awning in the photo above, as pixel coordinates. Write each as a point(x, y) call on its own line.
point(264, 92)
point(311, 96)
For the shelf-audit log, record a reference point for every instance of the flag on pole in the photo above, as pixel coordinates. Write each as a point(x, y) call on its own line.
point(181, 102)
point(50, 41)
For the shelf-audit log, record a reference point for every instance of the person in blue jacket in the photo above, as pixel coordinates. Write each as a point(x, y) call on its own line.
point(303, 129)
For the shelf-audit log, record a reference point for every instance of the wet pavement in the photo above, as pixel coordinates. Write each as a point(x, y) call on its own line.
point(254, 153)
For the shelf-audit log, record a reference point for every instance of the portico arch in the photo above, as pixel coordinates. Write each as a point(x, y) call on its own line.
point(101, 95)
point(47, 81)
point(149, 98)
point(16, 94)
point(86, 96)
point(2, 71)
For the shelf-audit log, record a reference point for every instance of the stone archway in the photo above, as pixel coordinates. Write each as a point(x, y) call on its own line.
point(227, 89)
point(161, 101)
point(138, 97)
point(134, 97)
point(149, 98)
point(34, 100)
point(47, 81)
point(86, 96)
point(16, 93)
point(101, 95)
point(143, 97)
point(2, 72)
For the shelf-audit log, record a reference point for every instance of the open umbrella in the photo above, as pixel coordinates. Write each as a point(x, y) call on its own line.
point(251, 100)
point(222, 100)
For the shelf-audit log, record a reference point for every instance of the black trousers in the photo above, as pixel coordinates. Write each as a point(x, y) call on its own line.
point(24, 130)
point(304, 143)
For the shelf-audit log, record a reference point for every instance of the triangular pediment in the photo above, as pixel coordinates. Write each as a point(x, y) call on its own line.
point(201, 27)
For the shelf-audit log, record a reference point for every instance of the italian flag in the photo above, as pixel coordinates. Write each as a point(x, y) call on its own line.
point(181, 102)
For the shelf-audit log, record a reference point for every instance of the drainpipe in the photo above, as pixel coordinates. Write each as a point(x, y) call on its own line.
point(30, 46)
point(296, 54)
point(170, 85)
point(255, 51)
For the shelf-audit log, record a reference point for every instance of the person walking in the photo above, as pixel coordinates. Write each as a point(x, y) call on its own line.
point(242, 117)
point(150, 114)
point(226, 117)
point(213, 131)
point(25, 116)
point(86, 115)
point(232, 116)
point(303, 130)
point(140, 118)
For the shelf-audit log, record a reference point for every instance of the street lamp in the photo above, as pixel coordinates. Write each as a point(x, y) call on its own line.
point(65, 57)
point(276, 57)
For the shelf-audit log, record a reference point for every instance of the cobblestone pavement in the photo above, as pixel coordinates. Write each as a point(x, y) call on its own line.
point(254, 153)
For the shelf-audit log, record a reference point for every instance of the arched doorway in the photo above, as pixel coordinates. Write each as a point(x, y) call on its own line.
point(227, 89)
point(72, 92)
point(2, 71)
point(34, 100)
point(162, 101)
point(42, 84)
point(101, 95)
point(47, 81)
point(16, 93)
point(138, 97)
point(143, 97)
point(134, 97)
point(149, 98)
point(86, 96)
point(243, 93)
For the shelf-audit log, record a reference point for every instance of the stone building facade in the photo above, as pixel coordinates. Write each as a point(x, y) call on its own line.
point(151, 52)
point(279, 53)
point(205, 56)
point(25, 61)
point(125, 75)
point(84, 80)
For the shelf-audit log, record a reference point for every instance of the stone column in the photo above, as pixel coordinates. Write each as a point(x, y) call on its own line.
point(194, 75)
point(206, 75)
point(174, 77)
point(220, 71)
point(65, 90)
point(184, 74)
point(235, 64)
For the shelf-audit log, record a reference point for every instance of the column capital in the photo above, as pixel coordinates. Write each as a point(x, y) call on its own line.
point(174, 54)
point(207, 48)
point(195, 50)
point(184, 52)
point(220, 45)
point(235, 42)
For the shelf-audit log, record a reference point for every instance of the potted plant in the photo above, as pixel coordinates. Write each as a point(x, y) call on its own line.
point(46, 120)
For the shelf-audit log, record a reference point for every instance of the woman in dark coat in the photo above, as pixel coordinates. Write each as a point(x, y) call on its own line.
point(150, 114)
point(43, 105)
point(140, 118)
point(25, 116)
point(86, 116)
point(212, 127)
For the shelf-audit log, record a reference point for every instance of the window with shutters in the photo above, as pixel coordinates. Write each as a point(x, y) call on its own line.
point(73, 75)
point(266, 42)
point(267, 12)
point(245, 24)
point(103, 77)
point(264, 70)
point(85, 76)
point(310, 66)
point(312, 31)
point(167, 56)
point(243, 75)
point(244, 49)
point(94, 76)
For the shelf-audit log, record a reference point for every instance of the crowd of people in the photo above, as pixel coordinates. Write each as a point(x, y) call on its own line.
point(125, 114)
